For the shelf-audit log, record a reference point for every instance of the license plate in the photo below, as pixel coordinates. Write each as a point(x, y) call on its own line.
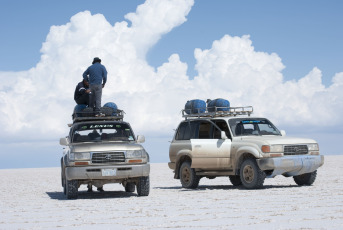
point(108, 172)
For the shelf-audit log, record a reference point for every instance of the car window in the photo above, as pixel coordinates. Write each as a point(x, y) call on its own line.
point(184, 131)
point(223, 126)
point(205, 129)
point(102, 132)
point(201, 129)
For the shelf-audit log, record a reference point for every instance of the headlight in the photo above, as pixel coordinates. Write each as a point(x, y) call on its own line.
point(313, 147)
point(136, 153)
point(71, 156)
point(276, 148)
point(272, 148)
point(82, 156)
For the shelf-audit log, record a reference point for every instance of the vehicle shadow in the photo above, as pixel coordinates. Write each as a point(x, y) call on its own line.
point(93, 195)
point(225, 187)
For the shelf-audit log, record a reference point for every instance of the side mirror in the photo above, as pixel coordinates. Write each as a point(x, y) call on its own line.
point(223, 135)
point(64, 141)
point(140, 139)
point(283, 133)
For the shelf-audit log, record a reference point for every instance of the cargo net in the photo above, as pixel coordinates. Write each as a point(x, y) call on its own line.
point(87, 114)
point(217, 111)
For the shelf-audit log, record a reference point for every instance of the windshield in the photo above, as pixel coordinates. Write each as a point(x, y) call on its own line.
point(102, 132)
point(254, 126)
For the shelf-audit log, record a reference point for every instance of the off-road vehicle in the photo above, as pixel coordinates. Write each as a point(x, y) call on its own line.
point(101, 150)
point(230, 142)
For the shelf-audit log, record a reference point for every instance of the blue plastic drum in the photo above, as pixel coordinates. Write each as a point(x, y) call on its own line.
point(113, 106)
point(218, 104)
point(195, 106)
point(78, 110)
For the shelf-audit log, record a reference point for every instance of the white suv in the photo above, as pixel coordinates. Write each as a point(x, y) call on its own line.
point(101, 150)
point(246, 149)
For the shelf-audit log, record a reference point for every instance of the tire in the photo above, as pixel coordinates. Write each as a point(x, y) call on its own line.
point(252, 177)
point(305, 179)
point(188, 177)
point(71, 189)
point(130, 187)
point(63, 178)
point(143, 186)
point(235, 180)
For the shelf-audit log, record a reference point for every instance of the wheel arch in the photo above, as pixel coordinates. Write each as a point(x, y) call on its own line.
point(182, 157)
point(241, 157)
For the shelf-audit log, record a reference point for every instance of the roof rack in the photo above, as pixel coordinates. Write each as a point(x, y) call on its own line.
point(87, 116)
point(218, 112)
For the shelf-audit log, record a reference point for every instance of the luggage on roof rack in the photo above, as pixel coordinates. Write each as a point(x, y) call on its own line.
point(117, 117)
point(110, 110)
point(221, 112)
point(195, 106)
point(218, 104)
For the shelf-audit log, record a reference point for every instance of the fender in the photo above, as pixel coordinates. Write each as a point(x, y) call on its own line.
point(179, 157)
point(241, 152)
point(247, 149)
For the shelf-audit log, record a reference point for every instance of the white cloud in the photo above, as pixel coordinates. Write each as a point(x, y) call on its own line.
point(38, 103)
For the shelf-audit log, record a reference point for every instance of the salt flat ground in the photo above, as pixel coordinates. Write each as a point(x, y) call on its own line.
point(33, 199)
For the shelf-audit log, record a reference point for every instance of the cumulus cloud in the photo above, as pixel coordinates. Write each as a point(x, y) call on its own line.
point(37, 104)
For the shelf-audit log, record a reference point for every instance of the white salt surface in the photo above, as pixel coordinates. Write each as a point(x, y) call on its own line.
point(33, 199)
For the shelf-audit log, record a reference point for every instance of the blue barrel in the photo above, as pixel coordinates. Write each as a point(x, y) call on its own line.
point(113, 106)
point(218, 104)
point(195, 106)
point(78, 110)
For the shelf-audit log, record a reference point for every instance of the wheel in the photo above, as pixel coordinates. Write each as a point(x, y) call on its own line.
point(252, 177)
point(235, 180)
point(63, 178)
point(143, 186)
point(188, 177)
point(130, 187)
point(71, 189)
point(64, 187)
point(305, 179)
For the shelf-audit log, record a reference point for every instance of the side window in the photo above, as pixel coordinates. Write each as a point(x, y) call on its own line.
point(183, 132)
point(223, 126)
point(194, 128)
point(205, 130)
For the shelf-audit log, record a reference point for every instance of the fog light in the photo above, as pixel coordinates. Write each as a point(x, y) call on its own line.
point(135, 161)
point(81, 163)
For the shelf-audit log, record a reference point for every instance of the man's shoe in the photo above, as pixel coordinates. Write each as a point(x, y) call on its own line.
point(99, 115)
point(100, 189)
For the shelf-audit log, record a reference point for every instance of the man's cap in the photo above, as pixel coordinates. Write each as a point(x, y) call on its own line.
point(96, 59)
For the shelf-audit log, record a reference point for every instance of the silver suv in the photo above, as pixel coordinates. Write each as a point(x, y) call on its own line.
point(101, 150)
point(244, 148)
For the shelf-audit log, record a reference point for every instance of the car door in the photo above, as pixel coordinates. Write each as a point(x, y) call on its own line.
point(209, 151)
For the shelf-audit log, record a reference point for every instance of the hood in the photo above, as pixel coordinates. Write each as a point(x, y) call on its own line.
point(272, 140)
point(104, 146)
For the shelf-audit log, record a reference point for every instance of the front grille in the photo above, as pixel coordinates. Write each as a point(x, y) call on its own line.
point(295, 150)
point(108, 157)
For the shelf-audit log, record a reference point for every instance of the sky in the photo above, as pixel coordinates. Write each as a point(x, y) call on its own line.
point(283, 58)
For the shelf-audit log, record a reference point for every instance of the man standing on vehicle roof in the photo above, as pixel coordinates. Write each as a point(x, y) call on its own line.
point(97, 79)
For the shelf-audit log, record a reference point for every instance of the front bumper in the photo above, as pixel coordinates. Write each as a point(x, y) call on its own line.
point(291, 165)
point(171, 165)
point(95, 172)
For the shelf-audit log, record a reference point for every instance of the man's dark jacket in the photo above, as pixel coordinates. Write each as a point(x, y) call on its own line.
point(80, 95)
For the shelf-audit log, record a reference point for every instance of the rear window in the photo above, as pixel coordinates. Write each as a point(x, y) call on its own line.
point(102, 132)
